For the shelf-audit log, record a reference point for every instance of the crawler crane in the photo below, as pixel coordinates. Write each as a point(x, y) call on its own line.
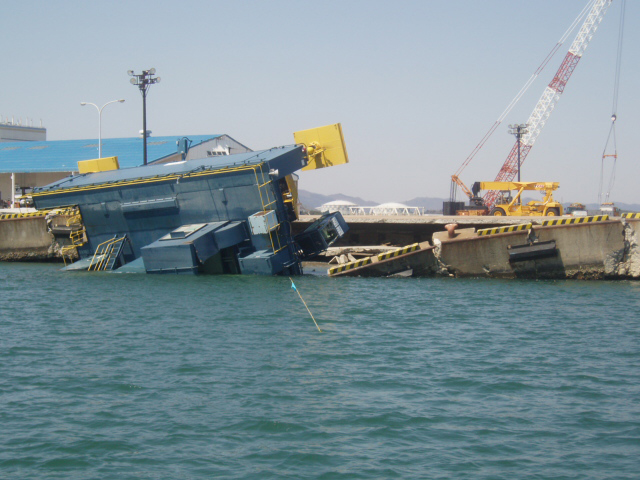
point(540, 113)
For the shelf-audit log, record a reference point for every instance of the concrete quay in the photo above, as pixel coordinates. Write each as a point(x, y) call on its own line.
point(589, 248)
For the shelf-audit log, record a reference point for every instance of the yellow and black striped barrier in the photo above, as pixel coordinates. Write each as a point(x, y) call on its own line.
point(7, 216)
point(575, 220)
point(349, 266)
point(40, 213)
point(399, 251)
point(507, 229)
point(631, 215)
point(366, 261)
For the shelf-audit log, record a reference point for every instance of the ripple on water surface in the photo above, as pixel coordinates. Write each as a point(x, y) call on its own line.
point(135, 376)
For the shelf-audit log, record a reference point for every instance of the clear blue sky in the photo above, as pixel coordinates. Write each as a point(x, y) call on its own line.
point(415, 84)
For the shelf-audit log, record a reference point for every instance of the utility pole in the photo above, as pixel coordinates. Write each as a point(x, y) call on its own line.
point(143, 81)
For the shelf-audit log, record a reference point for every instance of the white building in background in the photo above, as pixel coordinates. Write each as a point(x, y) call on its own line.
point(14, 131)
point(349, 208)
point(342, 206)
point(396, 209)
point(360, 210)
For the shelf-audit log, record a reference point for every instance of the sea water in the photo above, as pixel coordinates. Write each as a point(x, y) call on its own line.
point(130, 376)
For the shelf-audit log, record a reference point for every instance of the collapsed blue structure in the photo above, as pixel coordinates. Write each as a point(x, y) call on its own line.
point(226, 214)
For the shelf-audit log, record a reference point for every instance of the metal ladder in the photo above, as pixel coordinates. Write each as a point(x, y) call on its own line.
point(107, 254)
point(267, 201)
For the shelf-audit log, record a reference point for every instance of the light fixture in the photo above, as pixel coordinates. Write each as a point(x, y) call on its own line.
point(100, 120)
point(519, 130)
point(143, 81)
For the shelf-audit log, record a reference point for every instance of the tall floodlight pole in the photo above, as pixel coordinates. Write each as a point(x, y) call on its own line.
point(143, 81)
point(519, 130)
point(100, 121)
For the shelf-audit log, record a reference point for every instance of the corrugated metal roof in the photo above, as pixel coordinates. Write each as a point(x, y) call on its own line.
point(179, 168)
point(64, 155)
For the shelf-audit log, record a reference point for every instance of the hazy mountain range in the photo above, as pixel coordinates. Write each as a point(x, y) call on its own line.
point(312, 201)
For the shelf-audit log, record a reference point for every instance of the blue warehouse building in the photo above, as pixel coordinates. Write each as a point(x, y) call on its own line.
point(27, 165)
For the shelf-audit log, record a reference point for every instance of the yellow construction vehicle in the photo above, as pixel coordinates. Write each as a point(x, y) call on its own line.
point(506, 204)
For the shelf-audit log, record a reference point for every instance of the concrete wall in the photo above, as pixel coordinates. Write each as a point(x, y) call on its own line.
point(25, 239)
point(590, 250)
point(478, 256)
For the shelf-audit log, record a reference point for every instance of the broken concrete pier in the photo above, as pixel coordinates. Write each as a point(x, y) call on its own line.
point(582, 248)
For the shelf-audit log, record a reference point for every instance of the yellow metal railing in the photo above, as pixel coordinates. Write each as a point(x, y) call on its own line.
point(77, 240)
point(77, 237)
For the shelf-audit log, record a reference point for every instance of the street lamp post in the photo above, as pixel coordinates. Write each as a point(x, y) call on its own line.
point(519, 130)
point(100, 121)
point(143, 81)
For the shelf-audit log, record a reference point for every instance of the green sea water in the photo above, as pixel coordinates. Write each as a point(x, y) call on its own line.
point(128, 376)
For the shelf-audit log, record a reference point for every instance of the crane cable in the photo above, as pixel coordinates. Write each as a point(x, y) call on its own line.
point(614, 116)
point(522, 91)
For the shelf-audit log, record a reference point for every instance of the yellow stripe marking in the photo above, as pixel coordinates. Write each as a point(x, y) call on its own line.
point(575, 220)
point(631, 215)
point(348, 266)
point(139, 181)
point(507, 229)
point(365, 261)
point(40, 213)
point(399, 251)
